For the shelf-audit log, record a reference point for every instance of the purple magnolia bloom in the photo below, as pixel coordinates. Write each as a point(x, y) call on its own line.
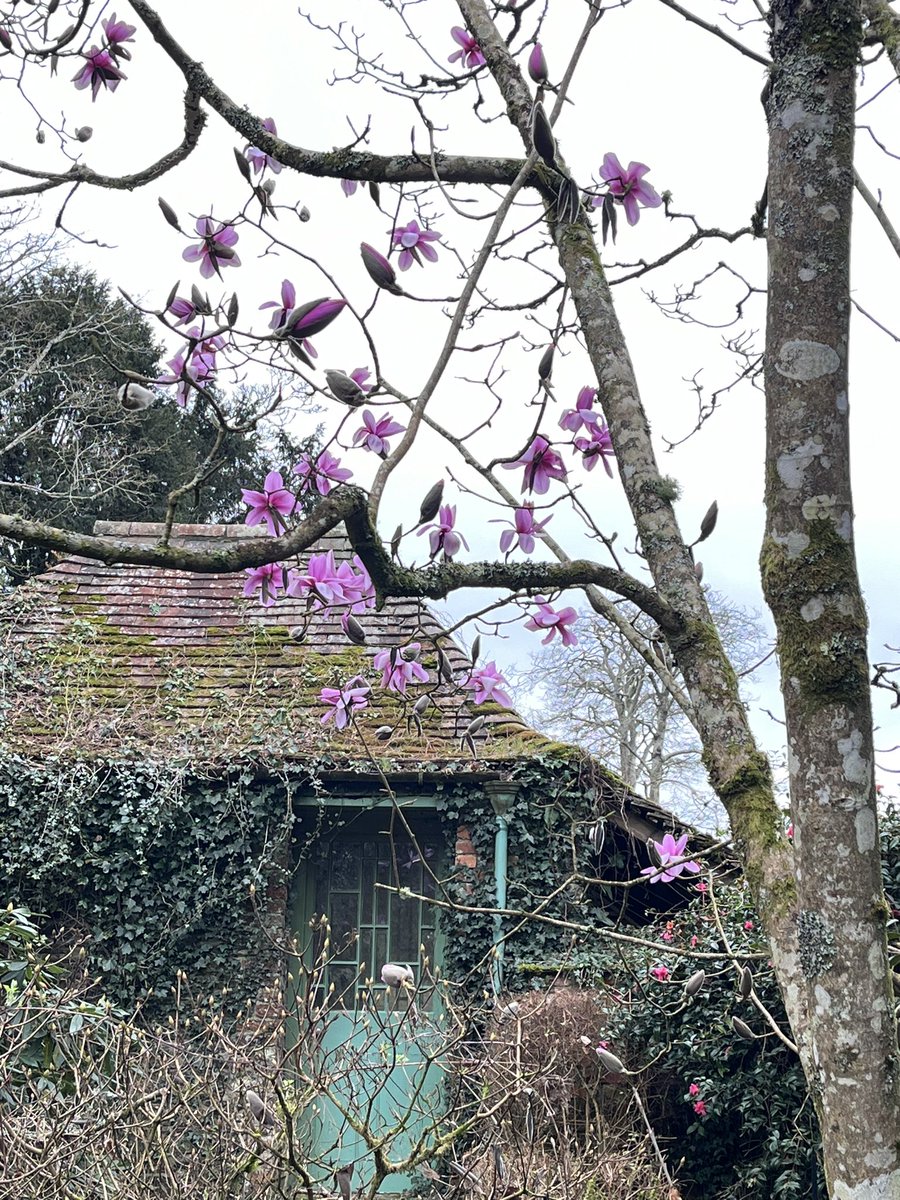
point(397, 671)
point(670, 851)
point(99, 71)
point(628, 187)
point(597, 446)
point(215, 250)
point(583, 412)
point(284, 307)
point(469, 52)
point(413, 241)
point(375, 431)
point(556, 622)
point(349, 186)
point(322, 581)
point(537, 64)
point(271, 505)
point(322, 474)
point(183, 310)
point(118, 32)
point(345, 702)
point(443, 536)
point(258, 159)
point(524, 528)
point(268, 580)
point(487, 684)
point(359, 377)
point(197, 369)
point(541, 463)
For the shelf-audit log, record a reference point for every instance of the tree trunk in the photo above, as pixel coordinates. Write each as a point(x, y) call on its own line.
point(841, 975)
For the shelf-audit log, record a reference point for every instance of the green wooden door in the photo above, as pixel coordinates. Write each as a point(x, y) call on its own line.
point(374, 1053)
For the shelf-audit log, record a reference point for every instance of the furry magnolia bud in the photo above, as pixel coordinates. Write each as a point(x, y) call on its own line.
point(354, 631)
point(345, 389)
point(432, 503)
point(695, 983)
point(745, 985)
point(610, 1061)
point(742, 1029)
point(134, 398)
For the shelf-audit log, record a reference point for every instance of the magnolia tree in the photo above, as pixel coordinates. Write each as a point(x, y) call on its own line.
point(518, 213)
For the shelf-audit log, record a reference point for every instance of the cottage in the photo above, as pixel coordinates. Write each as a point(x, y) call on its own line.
point(172, 790)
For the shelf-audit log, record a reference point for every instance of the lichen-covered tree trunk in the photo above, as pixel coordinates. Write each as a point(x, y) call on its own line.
point(840, 974)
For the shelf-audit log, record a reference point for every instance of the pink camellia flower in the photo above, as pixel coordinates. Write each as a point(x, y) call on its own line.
point(469, 52)
point(660, 973)
point(583, 413)
point(596, 448)
point(524, 529)
point(359, 376)
point(215, 250)
point(271, 505)
point(700, 1108)
point(258, 159)
point(414, 241)
point(374, 432)
point(667, 935)
point(345, 702)
point(118, 32)
point(748, 925)
point(628, 187)
point(322, 474)
point(349, 186)
point(694, 1090)
point(790, 831)
point(99, 71)
point(541, 463)
point(702, 886)
point(268, 580)
point(487, 683)
point(694, 940)
point(397, 670)
point(555, 622)
point(442, 536)
point(670, 852)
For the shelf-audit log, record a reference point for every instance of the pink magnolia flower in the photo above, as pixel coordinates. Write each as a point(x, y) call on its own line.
point(628, 187)
point(271, 505)
point(215, 250)
point(523, 531)
point(414, 241)
point(118, 32)
point(670, 852)
point(660, 973)
point(397, 671)
point(359, 375)
point(596, 448)
point(283, 307)
point(694, 1090)
point(99, 71)
point(541, 463)
point(194, 366)
point(322, 581)
point(487, 683)
point(555, 622)
point(258, 159)
point(268, 580)
point(700, 1108)
point(537, 64)
point(469, 52)
point(583, 412)
point(345, 702)
point(322, 474)
point(349, 186)
point(375, 431)
point(183, 310)
point(443, 537)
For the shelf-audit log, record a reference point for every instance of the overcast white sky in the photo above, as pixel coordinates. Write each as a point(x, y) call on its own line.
point(650, 88)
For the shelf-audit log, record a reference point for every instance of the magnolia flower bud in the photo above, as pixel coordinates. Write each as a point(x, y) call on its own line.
point(698, 571)
point(537, 64)
point(421, 705)
point(746, 983)
point(259, 1110)
point(5, 39)
point(380, 270)
point(708, 524)
point(742, 1029)
point(545, 366)
point(610, 1061)
point(134, 398)
point(474, 726)
point(345, 389)
point(542, 136)
point(40, 137)
point(84, 134)
point(304, 214)
point(355, 631)
point(395, 541)
point(695, 983)
point(242, 165)
point(169, 213)
point(383, 732)
point(432, 503)
point(396, 975)
point(476, 649)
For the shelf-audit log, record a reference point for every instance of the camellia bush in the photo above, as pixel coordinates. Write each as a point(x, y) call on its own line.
point(470, 320)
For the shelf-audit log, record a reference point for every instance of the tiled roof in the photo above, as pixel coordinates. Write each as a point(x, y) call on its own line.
point(141, 659)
